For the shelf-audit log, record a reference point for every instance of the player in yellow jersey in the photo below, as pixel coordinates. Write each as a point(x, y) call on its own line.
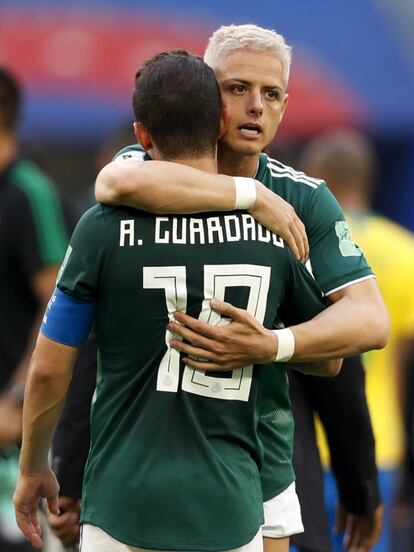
point(346, 160)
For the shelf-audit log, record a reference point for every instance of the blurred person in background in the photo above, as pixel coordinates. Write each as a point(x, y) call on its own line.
point(403, 508)
point(33, 240)
point(343, 411)
point(249, 98)
point(347, 161)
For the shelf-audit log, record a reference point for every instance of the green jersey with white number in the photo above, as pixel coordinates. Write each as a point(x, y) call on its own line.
point(175, 454)
point(336, 261)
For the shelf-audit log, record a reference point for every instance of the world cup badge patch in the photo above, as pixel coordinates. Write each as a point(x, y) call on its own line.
point(347, 246)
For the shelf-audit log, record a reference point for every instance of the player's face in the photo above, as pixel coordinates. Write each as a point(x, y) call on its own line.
point(253, 90)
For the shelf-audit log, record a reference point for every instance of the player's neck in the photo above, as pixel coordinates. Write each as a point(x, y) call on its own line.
point(208, 164)
point(8, 149)
point(234, 165)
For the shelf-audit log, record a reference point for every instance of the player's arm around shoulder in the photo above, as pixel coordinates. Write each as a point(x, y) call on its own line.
point(165, 187)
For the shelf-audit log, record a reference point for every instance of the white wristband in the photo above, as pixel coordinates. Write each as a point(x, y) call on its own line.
point(245, 192)
point(286, 345)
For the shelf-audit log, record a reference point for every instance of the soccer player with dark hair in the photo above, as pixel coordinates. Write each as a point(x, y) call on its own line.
point(175, 452)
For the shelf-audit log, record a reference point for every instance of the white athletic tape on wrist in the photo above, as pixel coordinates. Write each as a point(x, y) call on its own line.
point(245, 192)
point(286, 345)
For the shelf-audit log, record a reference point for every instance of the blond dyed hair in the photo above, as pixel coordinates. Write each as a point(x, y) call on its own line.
point(257, 39)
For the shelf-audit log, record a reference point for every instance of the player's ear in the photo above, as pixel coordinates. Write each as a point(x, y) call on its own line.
point(143, 136)
point(224, 122)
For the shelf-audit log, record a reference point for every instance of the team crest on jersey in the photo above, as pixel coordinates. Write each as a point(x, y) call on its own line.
point(130, 155)
point(347, 246)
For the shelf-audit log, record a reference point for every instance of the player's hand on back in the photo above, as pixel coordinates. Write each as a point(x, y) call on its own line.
point(278, 216)
point(242, 342)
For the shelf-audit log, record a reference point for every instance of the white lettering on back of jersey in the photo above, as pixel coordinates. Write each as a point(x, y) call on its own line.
point(165, 238)
point(277, 240)
point(183, 238)
point(127, 230)
point(232, 234)
point(196, 228)
point(249, 227)
point(214, 226)
point(263, 234)
point(195, 231)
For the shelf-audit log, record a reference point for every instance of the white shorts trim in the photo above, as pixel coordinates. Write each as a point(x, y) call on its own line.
point(94, 539)
point(282, 515)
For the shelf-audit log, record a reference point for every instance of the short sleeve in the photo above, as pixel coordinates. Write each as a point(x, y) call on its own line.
point(85, 256)
point(335, 258)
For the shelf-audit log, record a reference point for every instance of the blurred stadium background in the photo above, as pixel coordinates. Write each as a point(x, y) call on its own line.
point(353, 65)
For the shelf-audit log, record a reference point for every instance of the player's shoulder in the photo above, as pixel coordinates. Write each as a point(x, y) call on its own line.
point(299, 179)
point(92, 228)
point(310, 196)
point(96, 214)
point(106, 216)
point(133, 151)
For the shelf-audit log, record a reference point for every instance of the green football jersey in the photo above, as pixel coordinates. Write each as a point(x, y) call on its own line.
point(335, 261)
point(175, 454)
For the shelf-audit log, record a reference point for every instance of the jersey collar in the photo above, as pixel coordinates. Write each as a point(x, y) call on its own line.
point(261, 169)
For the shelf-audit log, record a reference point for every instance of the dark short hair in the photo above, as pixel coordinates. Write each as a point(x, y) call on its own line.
point(177, 99)
point(10, 100)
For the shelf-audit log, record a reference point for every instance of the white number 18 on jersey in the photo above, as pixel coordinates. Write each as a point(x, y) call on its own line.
point(217, 278)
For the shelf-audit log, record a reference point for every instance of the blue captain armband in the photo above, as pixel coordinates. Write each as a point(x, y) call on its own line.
point(68, 320)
